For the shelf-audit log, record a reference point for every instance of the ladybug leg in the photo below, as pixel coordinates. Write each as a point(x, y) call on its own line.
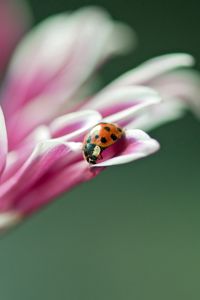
point(100, 156)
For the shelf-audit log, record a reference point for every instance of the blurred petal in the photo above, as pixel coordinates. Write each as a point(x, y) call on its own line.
point(63, 125)
point(40, 134)
point(73, 126)
point(121, 104)
point(182, 86)
point(138, 145)
point(70, 127)
point(61, 54)
point(159, 114)
point(3, 142)
point(154, 68)
point(14, 19)
point(8, 220)
point(16, 158)
point(53, 186)
point(179, 90)
point(45, 156)
point(125, 116)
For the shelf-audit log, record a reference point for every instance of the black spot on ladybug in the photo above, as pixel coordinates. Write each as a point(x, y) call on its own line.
point(96, 136)
point(113, 137)
point(103, 140)
point(107, 128)
point(89, 140)
point(119, 129)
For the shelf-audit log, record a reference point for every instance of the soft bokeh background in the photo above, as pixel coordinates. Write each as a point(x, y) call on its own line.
point(134, 231)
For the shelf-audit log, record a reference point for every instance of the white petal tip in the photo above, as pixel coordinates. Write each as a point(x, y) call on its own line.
point(9, 219)
point(143, 145)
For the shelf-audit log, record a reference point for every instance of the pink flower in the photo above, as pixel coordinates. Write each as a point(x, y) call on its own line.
point(49, 106)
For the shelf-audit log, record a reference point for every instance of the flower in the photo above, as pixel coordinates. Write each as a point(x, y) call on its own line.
point(48, 105)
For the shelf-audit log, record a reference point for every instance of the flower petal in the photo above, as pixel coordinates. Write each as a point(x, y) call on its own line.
point(44, 158)
point(16, 158)
point(73, 126)
point(121, 104)
point(179, 90)
point(138, 145)
point(70, 127)
point(182, 86)
point(56, 184)
point(8, 220)
point(3, 142)
point(81, 41)
point(157, 115)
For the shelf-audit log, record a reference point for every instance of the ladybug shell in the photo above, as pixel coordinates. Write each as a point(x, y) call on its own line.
point(102, 135)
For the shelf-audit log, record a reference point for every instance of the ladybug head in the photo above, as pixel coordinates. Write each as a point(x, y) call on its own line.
point(91, 152)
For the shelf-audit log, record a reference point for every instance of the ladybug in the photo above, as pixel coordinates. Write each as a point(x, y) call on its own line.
point(100, 137)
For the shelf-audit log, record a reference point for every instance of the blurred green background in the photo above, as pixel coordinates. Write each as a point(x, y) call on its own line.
point(142, 240)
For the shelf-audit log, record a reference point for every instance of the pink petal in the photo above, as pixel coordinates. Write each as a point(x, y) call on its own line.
point(121, 104)
point(14, 19)
point(81, 41)
point(40, 134)
point(70, 127)
point(179, 90)
point(73, 126)
point(138, 145)
point(3, 142)
point(24, 121)
point(82, 121)
point(182, 86)
point(159, 114)
point(44, 192)
point(15, 159)
point(46, 157)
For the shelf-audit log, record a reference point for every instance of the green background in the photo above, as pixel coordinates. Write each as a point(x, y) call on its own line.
point(142, 240)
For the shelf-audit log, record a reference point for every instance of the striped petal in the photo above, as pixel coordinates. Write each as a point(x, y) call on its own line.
point(16, 158)
point(74, 125)
point(46, 157)
point(157, 115)
point(54, 185)
point(70, 127)
point(181, 85)
point(61, 54)
point(121, 105)
point(179, 90)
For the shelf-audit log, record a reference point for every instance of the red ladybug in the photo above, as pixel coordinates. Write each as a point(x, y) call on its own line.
point(100, 137)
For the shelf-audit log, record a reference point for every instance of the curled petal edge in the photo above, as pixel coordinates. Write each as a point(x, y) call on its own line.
point(139, 144)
